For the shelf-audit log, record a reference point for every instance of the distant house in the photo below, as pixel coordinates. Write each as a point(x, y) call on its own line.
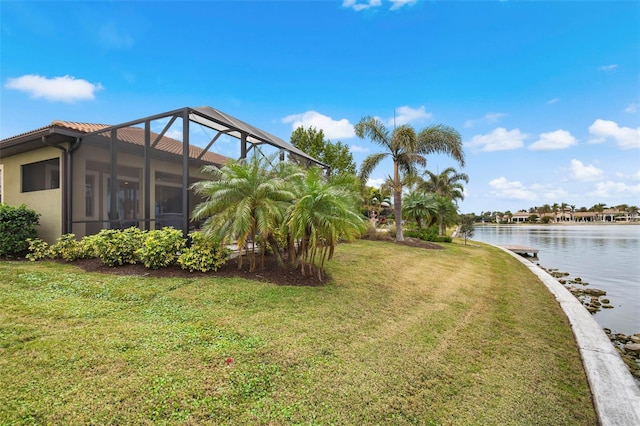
point(520, 217)
point(64, 170)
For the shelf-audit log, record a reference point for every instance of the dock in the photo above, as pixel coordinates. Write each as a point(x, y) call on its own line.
point(522, 250)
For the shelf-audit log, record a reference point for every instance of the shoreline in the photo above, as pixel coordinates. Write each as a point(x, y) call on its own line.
point(615, 392)
point(558, 223)
point(601, 256)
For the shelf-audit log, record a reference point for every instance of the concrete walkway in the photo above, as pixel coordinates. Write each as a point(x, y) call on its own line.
point(616, 396)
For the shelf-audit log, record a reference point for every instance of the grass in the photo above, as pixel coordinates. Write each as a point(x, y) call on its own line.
point(461, 336)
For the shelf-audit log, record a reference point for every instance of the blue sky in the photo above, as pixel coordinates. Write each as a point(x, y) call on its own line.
point(546, 95)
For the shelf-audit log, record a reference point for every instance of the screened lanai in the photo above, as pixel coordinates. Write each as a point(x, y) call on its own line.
point(139, 173)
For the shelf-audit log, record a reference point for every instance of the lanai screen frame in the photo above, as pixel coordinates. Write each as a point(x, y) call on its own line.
point(250, 137)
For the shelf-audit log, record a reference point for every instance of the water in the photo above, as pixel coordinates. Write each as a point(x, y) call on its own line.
point(605, 256)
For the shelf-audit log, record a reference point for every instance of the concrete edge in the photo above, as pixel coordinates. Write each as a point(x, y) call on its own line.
point(616, 396)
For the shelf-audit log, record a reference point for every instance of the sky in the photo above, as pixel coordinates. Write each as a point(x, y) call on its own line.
point(545, 94)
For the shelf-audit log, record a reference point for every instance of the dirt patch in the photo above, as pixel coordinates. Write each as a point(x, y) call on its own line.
point(270, 272)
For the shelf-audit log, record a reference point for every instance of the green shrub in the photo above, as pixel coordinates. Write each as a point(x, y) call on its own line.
point(161, 248)
point(430, 234)
point(38, 249)
point(205, 254)
point(115, 247)
point(67, 248)
point(17, 224)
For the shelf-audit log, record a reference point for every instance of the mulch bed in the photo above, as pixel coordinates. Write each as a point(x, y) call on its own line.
point(269, 273)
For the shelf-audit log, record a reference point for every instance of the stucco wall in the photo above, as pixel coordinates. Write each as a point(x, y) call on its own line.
point(47, 202)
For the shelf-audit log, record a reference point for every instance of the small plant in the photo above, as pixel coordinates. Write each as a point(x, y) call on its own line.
point(466, 227)
point(67, 248)
point(430, 234)
point(17, 224)
point(161, 248)
point(38, 249)
point(115, 247)
point(205, 254)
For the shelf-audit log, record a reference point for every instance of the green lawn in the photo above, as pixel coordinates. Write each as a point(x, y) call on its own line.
point(463, 336)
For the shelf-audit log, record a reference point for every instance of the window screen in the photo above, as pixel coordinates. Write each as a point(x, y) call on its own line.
point(41, 175)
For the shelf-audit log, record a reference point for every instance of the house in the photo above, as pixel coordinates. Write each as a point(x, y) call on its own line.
point(520, 217)
point(64, 170)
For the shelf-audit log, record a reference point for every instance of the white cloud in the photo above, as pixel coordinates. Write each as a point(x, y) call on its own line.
point(114, 38)
point(555, 194)
point(514, 190)
point(499, 139)
point(610, 188)
point(625, 137)
point(361, 6)
point(631, 108)
point(553, 101)
point(608, 67)
point(65, 89)
point(333, 129)
point(406, 114)
point(357, 148)
point(584, 173)
point(376, 183)
point(368, 4)
point(631, 176)
point(559, 139)
point(397, 4)
point(490, 117)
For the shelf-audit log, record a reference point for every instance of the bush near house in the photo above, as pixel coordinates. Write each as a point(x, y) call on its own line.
point(205, 254)
point(17, 224)
point(155, 249)
point(161, 247)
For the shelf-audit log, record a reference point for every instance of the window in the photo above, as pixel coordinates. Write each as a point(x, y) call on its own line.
point(168, 191)
point(127, 197)
point(91, 196)
point(41, 175)
point(0, 183)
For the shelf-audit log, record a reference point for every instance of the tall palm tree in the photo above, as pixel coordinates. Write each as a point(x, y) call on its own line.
point(243, 199)
point(447, 183)
point(408, 150)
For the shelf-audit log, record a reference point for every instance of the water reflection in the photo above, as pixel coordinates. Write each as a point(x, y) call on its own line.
point(606, 256)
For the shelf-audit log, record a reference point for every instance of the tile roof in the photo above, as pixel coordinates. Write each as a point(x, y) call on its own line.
point(135, 135)
point(77, 126)
point(132, 135)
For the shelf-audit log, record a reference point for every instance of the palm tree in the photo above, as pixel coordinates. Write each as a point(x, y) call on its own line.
point(243, 200)
point(446, 184)
point(407, 150)
point(419, 205)
point(446, 213)
point(325, 212)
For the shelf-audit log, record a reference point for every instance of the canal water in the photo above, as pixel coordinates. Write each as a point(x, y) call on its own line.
point(605, 256)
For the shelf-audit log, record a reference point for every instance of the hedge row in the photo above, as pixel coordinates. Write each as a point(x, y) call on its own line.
point(155, 249)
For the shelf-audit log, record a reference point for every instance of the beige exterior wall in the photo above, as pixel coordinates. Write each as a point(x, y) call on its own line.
point(47, 202)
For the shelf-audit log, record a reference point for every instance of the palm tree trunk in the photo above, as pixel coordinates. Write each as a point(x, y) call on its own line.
point(397, 201)
point(276, 252)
